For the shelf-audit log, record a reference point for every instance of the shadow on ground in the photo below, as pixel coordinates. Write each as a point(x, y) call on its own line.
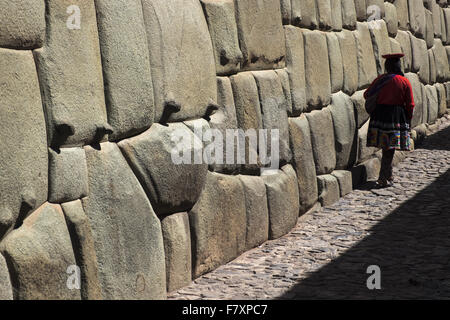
point(411, 246)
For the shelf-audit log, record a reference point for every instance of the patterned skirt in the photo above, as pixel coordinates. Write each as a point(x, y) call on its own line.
point(389, 128)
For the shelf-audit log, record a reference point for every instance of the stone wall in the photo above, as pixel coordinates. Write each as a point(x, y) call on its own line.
point(92, 93)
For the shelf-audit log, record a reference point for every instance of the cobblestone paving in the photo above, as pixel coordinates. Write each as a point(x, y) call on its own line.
point(404, 229)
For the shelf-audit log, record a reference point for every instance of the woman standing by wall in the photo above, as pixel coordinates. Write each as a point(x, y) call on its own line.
point(390, 122)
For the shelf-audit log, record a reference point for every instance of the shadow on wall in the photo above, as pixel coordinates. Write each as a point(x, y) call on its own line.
point(411, 246)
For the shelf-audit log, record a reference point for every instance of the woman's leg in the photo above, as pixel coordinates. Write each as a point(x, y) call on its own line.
point(386, 166)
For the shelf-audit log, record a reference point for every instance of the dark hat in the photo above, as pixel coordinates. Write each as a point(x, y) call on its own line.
point(393, 56)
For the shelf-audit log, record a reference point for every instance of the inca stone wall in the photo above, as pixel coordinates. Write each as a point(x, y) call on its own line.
point(92, 92)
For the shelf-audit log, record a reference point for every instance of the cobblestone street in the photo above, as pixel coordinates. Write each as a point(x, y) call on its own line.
point(403, 229)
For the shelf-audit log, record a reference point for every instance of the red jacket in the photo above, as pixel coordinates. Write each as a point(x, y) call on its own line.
point(398, 92)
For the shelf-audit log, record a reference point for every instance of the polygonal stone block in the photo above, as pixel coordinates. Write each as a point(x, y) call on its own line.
point(344, 125)
point(300, 137)
point(336, 69)
point(360, 7)
point(417, 96)
point(70, 73)
point(284, 78)
point(177, 248)
point(248, 113)
point(224, 35)
point(126, 67)
point(364, 152)
point(22, 24)
point(181, 59)
point(40, 253)
point(349, 51)
point(322, 140)
point(6, 290)
point(223, 119)
point(420, 63)
point(308, 11)
point(432, 64)
point(402, 14)
point(324, 14)
point(445, 25)
point(442, 99)
point(367, 68)
point(260, 33)
point(67, 175)
point(329, 192)
point(295, 66)
point(348, 14)
point(442, 62)
point(404, 39)
point(417, 18)
point(23, 139)
point(84, 249)
point(380, 42)
point(432, 103)
point(218, 223)
point(257, 212)
point(286, 11)
point(391, 18)
point(336, 15)
point(169, 163)
point(317, 69)
point(429, 30)
point(282, 199)
point(273, 111)
point(127, 234)
point(361, 114)
point(344, 179)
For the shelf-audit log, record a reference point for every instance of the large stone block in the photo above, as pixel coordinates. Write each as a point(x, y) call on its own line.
point(39, 254)
point(349, 52)
point(177, 247)
point(257, 212)
point(367, 68)
point(296, 11)
point(6, 290)
point(127, 234)
point(429, 30)
point(364, 152)
point(283, 201)
point(248, 113)
point(344, 179)
point(402, 14)
point(217, 223)
point(70, 73)
point(432, 64)
point(348, 14)
point(168, 162)
point(84, 249)
point(224, 35)
point(417, 96)
point(295, 66)
point(260, 33)
point(317, 69)
point(447, 93)
point(22, 24)
point(420, 63)
point(380, 42)
point(322, 140)
point(345, 134)
point(273, 111)
point(181, 59)
point(324, 15)
point(432, 103)
point(286, 11)
point(329, 192)
point(361, 12)
point(436, 15)
point(391, 18)
point(336, 14)
point(445, 25)
point(361, 114)
point(417, 19)
point(424, 103)
point(404, 39)
point(284, 78)
point(300, 137)
point(23, 139)
point(308, 9)
point(336, 68)
point(223, 119)
point(442, 99)
point(126, 67)
point(396, 47)
point(442, 62)
point(67, 179)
